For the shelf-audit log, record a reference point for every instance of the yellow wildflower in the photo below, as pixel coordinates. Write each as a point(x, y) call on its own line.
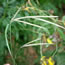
point(47, 61)
point(49, 41)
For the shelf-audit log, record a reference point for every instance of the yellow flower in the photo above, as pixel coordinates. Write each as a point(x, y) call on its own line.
point(44, 63)
point(27, 9)
point(49, 41)
point(43, 57)
point(51, 61)
point(47, 61)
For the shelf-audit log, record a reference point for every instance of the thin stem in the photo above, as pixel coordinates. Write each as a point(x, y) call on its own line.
point(41, 54)
point(8, 43)
point(36, 17)
point(55, 50)
point(31, 42)
point(10, 50)
point(36, 44)
point(41, 45)
point(11, 22)
point(50, 23)
point(27, 45)
point(33, 25)
point(15, 14)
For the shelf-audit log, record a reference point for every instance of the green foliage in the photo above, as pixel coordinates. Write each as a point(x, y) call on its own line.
point(54, 5)
point(2, 48)
point(60, 58)
point(22, 33)
point(61, 34)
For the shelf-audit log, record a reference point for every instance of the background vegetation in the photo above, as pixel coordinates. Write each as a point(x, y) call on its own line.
point(19, 34)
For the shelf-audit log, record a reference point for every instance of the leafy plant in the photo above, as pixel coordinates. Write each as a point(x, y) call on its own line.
point(28, 26)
